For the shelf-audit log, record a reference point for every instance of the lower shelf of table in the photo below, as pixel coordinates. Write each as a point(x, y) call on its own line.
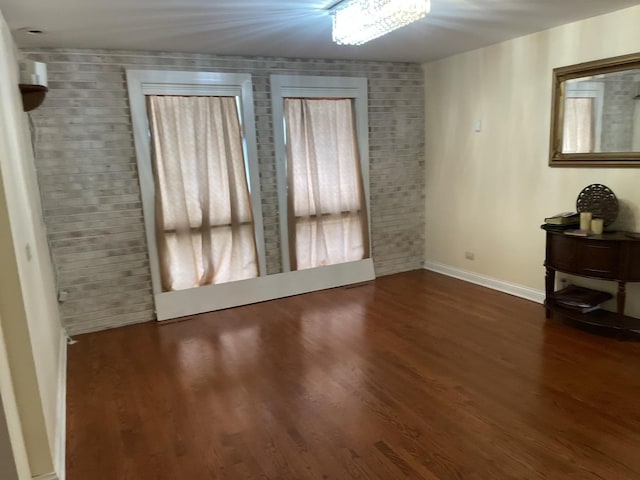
point(599, 321)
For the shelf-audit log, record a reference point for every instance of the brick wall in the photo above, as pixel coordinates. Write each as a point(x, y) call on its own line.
point(86, 167)
point(618, 111)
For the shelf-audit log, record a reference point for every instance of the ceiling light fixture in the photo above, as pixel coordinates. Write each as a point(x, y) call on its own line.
point(357, 21)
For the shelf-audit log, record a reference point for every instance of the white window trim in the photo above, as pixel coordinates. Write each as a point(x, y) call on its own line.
point(243, 292)
point(208, 298)
point(292, 86)
point(155, 82)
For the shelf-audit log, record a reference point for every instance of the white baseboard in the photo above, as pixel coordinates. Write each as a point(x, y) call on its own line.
point(46, 476)
point(485, 281)
point(180, 303)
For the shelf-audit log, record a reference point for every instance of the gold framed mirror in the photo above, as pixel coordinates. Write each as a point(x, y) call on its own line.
point(595, 114)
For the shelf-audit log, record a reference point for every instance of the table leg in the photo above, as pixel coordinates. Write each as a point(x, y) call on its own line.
point(621, 298)
point(550, 286)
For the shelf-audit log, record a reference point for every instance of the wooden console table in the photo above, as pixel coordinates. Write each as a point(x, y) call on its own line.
point(610, 256)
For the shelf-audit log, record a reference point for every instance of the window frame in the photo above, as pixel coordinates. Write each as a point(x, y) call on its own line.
point(302, 86)
point(160, 82)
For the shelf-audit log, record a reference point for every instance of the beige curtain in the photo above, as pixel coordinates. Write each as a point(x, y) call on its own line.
point(204, 222)
point(327, 211)
point(578, 135)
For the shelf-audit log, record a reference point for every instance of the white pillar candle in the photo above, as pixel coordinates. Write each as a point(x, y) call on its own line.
point(597, 226)
point(585, 220)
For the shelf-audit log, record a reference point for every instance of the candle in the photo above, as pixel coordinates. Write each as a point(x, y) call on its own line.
point(585, 220)
point(597, 225)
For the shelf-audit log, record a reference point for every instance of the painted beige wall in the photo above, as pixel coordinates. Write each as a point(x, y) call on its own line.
point(28, 307)
point(14, 463)
point(13, 455)
point(488, 192)
point(8, 469)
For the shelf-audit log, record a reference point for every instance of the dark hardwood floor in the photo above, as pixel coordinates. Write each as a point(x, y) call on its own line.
point(414, 376)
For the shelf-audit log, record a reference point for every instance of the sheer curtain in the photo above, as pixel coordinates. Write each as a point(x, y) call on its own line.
point(205, 232)
point(578, 135)
point(327, 211)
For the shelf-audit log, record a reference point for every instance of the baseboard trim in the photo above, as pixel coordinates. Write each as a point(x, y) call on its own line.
point(46, 476)
point(61, 439)
point(485, 281)
point(180, 303)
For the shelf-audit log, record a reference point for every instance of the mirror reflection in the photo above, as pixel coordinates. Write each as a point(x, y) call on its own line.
point(602, 113)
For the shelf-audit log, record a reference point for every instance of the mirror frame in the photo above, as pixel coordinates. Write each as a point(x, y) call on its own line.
point(596, 159)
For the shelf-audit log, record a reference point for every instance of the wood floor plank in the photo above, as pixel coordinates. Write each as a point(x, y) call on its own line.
point(412, 376)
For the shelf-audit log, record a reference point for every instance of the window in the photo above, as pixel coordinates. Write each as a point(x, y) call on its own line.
point(578, 135)
point(204, 226)
point(327, 212)
point(582, 131)
point(322, 148)
point(207, 121)
point(197, 164)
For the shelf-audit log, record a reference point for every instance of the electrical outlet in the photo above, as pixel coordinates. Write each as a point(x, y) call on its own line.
point(469, 255)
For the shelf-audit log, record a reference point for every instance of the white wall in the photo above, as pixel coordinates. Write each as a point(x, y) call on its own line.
point(28, 307)
point(488, 192)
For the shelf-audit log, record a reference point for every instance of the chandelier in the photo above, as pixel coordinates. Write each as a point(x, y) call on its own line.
point(357, 21)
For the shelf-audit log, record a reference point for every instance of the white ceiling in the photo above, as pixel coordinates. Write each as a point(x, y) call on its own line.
point(289, 28)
